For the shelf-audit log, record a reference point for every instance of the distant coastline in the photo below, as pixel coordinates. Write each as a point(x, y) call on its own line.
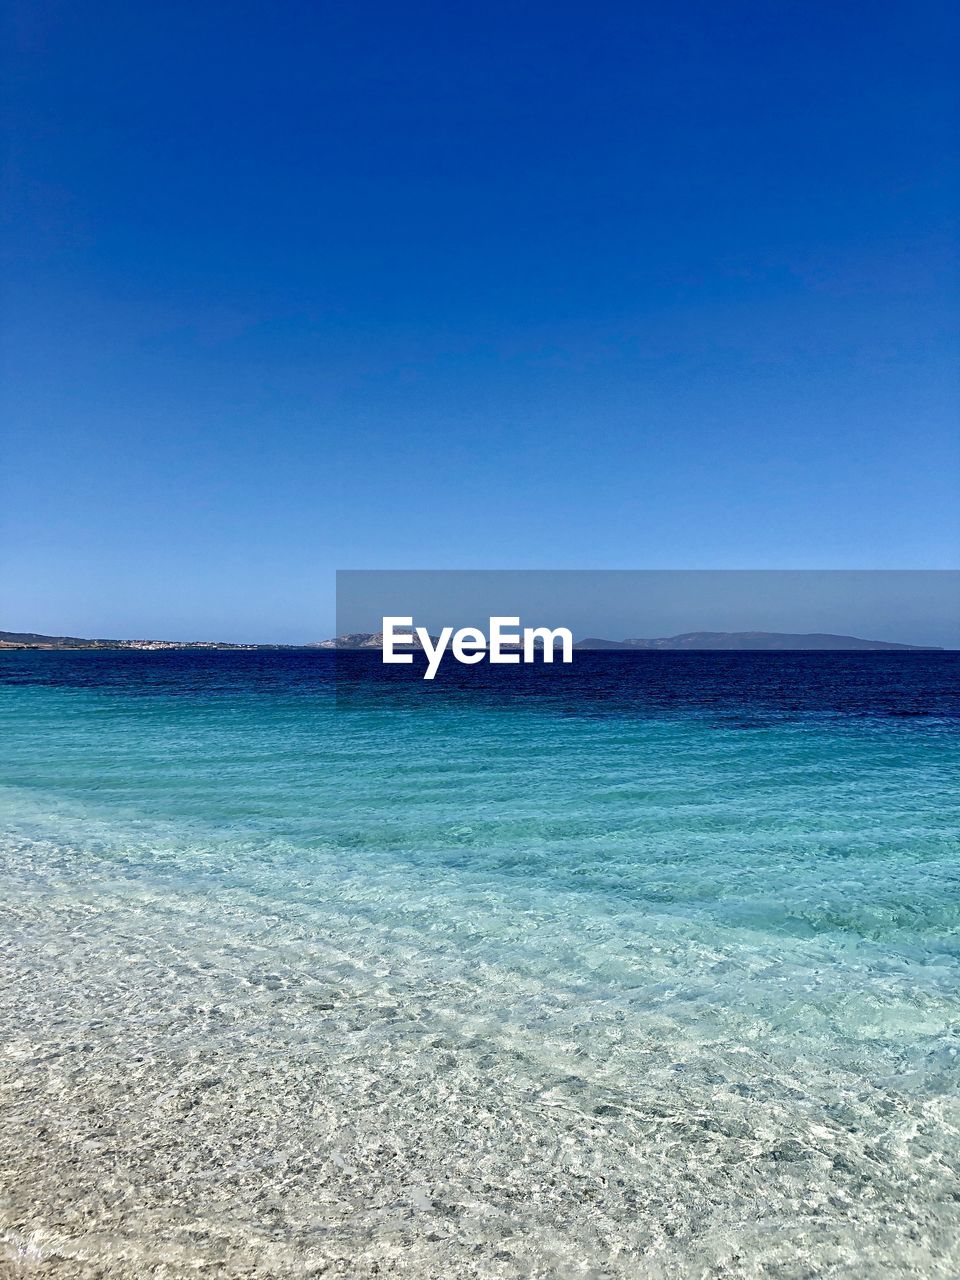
point(33, 640)
point(728, 641)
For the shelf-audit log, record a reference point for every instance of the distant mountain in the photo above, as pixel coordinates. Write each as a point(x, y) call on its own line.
point(743, 640)
point(374, 640)
point(366, 640)
point(354, 640)
point(593, 642)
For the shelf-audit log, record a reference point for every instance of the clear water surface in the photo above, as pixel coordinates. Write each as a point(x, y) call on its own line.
point(643, 967)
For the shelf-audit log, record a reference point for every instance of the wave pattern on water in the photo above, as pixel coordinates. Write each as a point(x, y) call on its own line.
point(650, 972)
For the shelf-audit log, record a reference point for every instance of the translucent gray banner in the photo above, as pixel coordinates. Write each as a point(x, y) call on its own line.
point(654, 609)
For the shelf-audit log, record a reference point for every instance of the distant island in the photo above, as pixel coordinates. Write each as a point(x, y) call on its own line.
point(368, 640)
point(754, 640)
point(689, 640)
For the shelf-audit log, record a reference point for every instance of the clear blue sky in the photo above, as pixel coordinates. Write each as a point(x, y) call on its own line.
point(298, 286)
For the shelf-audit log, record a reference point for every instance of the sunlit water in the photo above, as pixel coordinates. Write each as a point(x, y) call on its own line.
point(647, 967)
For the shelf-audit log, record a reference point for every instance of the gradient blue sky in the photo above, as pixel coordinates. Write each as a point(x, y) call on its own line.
point(299, 286)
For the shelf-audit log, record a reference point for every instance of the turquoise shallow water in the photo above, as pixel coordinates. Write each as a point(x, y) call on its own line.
point(645, 969)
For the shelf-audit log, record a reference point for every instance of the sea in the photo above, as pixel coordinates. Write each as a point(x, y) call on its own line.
point(645, 966)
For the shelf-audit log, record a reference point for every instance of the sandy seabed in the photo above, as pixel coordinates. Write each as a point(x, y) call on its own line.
point(194, 1085)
